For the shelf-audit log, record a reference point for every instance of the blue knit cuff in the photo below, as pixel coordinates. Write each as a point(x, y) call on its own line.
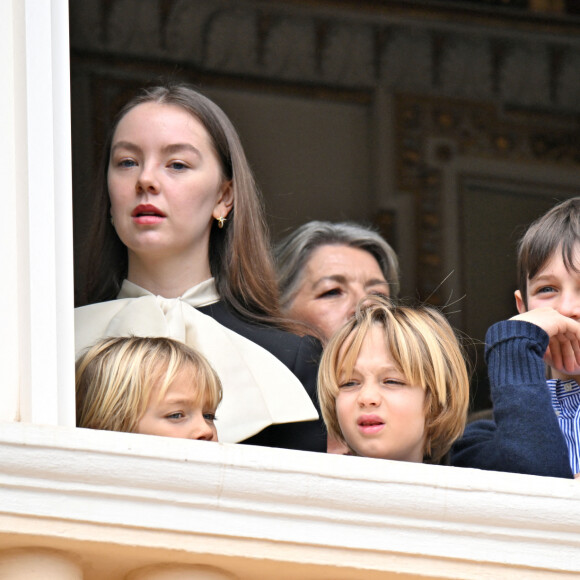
point(514, 353)
point(512, 329)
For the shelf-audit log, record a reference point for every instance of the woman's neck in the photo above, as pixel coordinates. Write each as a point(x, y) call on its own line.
point(165, 277)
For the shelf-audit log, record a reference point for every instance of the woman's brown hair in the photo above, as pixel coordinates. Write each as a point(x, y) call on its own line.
point(239, 254)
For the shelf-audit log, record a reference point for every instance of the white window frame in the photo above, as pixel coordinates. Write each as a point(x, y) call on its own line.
point(37, 324)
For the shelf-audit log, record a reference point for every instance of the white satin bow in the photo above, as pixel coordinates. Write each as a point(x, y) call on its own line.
point(258, 389)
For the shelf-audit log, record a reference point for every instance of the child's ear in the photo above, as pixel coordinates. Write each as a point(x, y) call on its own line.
point(520, 305)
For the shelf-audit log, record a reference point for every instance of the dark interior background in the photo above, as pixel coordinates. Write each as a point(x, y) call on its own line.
point(449, 125)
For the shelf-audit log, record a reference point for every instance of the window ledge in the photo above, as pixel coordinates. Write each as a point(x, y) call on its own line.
point(143, 500)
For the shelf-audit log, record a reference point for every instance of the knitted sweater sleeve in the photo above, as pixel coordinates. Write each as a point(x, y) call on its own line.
point(524, 436)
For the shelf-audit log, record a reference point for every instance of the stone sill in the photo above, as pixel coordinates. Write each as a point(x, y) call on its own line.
point(119, 501)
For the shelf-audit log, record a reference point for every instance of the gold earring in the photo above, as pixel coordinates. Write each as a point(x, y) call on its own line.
point(221, 221)
point(112, 221)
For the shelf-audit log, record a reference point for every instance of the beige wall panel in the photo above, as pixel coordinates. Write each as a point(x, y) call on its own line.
point(311, 156)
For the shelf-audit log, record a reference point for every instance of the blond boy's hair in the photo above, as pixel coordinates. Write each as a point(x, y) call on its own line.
point(557, 229)
point(425, 348)
point(116, 376)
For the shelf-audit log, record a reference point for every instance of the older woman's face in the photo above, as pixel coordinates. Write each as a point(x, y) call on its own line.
point(334, 279)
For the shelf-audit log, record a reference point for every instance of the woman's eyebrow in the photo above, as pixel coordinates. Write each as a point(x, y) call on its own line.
point(376, 282)
point(176, 147)
point(125, 145)
point(167, 149)
point(333, 278)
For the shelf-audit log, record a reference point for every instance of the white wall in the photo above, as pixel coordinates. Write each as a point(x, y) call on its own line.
point(129, 501)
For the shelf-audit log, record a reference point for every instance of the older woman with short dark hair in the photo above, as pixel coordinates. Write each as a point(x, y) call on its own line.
point(325, 268)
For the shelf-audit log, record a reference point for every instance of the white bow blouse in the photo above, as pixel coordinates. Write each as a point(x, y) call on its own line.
point(258, 389)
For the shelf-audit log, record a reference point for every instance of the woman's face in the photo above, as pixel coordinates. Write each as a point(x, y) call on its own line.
point(165, 183)
point(334, 279)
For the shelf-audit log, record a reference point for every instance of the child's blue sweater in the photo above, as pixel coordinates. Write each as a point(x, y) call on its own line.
point(524, 436)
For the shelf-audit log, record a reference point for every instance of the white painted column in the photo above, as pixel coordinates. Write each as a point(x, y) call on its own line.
point(179, 572)
point(36, 321)
point(38, 564)
point(49, 397)
point(13, 233)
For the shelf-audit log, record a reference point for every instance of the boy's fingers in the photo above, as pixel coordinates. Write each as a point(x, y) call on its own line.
point(572, 328)
point(553, 356)
point(551, 321)
point(574, 360)
point(568, 355)
point(576, 347)
point(563, 353)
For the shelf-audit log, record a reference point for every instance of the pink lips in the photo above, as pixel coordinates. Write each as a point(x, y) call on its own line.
point(147, 214)
point(370, 424)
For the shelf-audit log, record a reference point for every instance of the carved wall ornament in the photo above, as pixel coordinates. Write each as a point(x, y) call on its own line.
point(232, 42)
point(134, 28)
point(568, 91)
point(405, 61)
point(290, 49)
point(467, 67)
point(351, 48)
point(348, 55)
point(186, 29)
point(518, 84)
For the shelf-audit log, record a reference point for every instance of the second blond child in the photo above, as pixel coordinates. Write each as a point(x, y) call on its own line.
point(153, 386)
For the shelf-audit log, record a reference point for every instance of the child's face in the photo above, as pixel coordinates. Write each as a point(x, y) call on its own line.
point(179, 413)
point(380, 414)
point(554, 286)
